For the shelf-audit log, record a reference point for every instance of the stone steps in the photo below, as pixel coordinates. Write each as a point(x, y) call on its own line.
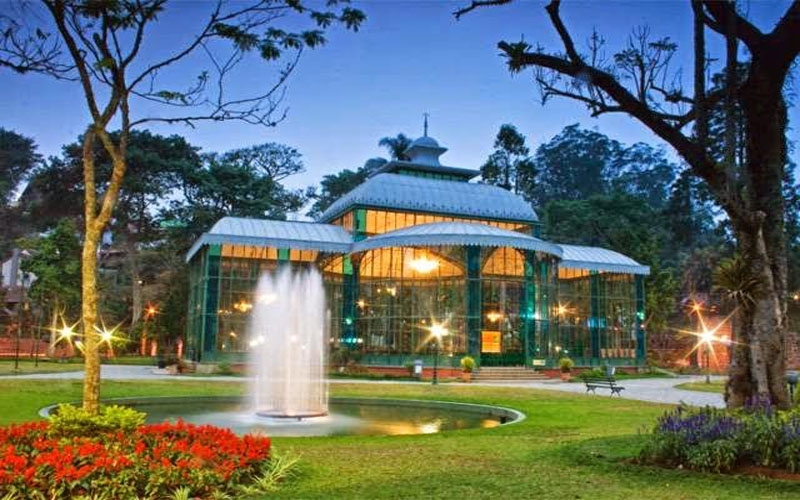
point(506, 373)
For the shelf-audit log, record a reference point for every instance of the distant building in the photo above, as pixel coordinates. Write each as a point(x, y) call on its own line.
point(418, 243)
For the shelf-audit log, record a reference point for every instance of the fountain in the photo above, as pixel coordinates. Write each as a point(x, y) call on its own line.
point(288, 343)
point(287, 334)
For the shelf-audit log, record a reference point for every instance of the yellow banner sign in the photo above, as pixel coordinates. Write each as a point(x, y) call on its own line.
point(490, 341)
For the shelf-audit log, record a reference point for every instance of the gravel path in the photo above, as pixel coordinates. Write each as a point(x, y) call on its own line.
point(655, 390)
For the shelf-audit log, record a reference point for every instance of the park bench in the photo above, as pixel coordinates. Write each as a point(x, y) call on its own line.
point(593, 383)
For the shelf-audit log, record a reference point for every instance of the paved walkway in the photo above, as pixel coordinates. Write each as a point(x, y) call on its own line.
point(655, 390)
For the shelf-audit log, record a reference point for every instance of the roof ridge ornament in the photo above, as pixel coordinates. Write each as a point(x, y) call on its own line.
point(425, 115)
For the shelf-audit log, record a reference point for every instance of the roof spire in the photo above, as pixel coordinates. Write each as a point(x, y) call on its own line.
point(425, 126)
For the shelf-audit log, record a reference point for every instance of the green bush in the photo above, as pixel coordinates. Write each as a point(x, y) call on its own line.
point(593, 373)
point(224, 369)
point(71, 421)
point(718, 440)
point(565, 364)
point(409, 366)
point(468, 364)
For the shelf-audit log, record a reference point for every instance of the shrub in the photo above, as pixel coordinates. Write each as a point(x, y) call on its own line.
point(719, 440)
point(409, 366)
point(71, 421)
point(224, 369)
point(565, 364)
point(468, 364)
point(151, 462)
point(593, 373)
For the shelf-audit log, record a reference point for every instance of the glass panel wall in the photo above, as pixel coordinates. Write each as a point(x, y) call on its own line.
point(502, 291)
point(234, 281)
point(574, 311)
point(403, 291)
point(619, 311)
point(383, 221)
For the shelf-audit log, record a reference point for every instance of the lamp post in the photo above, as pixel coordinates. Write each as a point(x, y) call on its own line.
point(22, 309)
point(438, 331)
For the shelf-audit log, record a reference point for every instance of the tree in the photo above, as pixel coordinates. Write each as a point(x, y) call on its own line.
point(276, 161)
point(645, 172)
point(55, 262)
point(574, 165)
point(223, 185)
point(99, 46)
point(510, 166)
point(334, 186)
point(396, 146)
point(621, 222)
point(637, 81)
point(18, 159)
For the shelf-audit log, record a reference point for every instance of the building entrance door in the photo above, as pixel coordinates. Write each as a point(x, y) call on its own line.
point(500, 348)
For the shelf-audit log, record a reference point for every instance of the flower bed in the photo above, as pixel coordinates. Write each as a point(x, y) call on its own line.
point(720, 440)
point(47, 460)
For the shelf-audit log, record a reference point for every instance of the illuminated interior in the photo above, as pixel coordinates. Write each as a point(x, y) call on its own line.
point(502, 294)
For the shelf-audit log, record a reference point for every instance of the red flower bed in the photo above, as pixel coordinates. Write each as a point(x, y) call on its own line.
point(152, 461)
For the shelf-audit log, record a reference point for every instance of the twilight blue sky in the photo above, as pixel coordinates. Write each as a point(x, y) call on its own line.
point(410, 57)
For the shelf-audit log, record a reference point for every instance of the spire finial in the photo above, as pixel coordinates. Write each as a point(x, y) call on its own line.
point(425, 127)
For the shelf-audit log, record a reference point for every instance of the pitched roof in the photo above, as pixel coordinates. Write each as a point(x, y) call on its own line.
point(405, 192)
point(599, 259)
point(456, 233)
point(275, 233)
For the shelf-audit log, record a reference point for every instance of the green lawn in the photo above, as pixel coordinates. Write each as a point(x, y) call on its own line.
point(569, 447)
point(716, 386)
point(28, 366)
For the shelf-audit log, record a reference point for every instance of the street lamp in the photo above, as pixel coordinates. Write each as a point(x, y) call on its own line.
point(707, 337)
point(22, 309)
point(438, 331)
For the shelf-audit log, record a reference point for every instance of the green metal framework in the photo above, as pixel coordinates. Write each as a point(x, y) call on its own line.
point(518, 309)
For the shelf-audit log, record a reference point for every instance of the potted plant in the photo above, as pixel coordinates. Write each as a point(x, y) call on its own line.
point(467, 367)
point(566, 364)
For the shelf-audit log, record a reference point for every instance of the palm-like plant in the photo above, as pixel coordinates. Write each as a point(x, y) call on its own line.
point(396, 146)
point(735, 280)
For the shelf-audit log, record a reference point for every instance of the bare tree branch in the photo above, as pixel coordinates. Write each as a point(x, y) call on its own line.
point(476, 4)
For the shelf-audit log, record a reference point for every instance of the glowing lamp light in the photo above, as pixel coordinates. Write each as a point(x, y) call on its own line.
point(697, 307)
point(361, 303)
point(561, 309)
point(707, 336)
point(66, 333)
point(243, 306)
point(150, 311)
point(423, 265)
point(392, 290)
point(438, 330)
point(106, 336)
point(494, 316)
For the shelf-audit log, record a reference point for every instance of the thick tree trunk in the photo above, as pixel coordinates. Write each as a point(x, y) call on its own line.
point(759, 363)
point(91, 379)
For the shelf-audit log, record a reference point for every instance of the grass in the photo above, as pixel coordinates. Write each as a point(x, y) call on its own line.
point(74, 364)
point(716, 386)
point(569, 447)
point(27, 366)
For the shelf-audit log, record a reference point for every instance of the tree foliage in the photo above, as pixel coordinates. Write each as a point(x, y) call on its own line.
point(101, 47)
point(638, 80)
point(54, 260)
point(510, 165)
point(18, 159)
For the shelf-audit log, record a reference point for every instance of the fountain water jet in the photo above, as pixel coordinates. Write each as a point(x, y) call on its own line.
point(288, 345)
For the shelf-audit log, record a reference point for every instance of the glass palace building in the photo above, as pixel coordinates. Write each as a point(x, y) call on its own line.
point(418, 245)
